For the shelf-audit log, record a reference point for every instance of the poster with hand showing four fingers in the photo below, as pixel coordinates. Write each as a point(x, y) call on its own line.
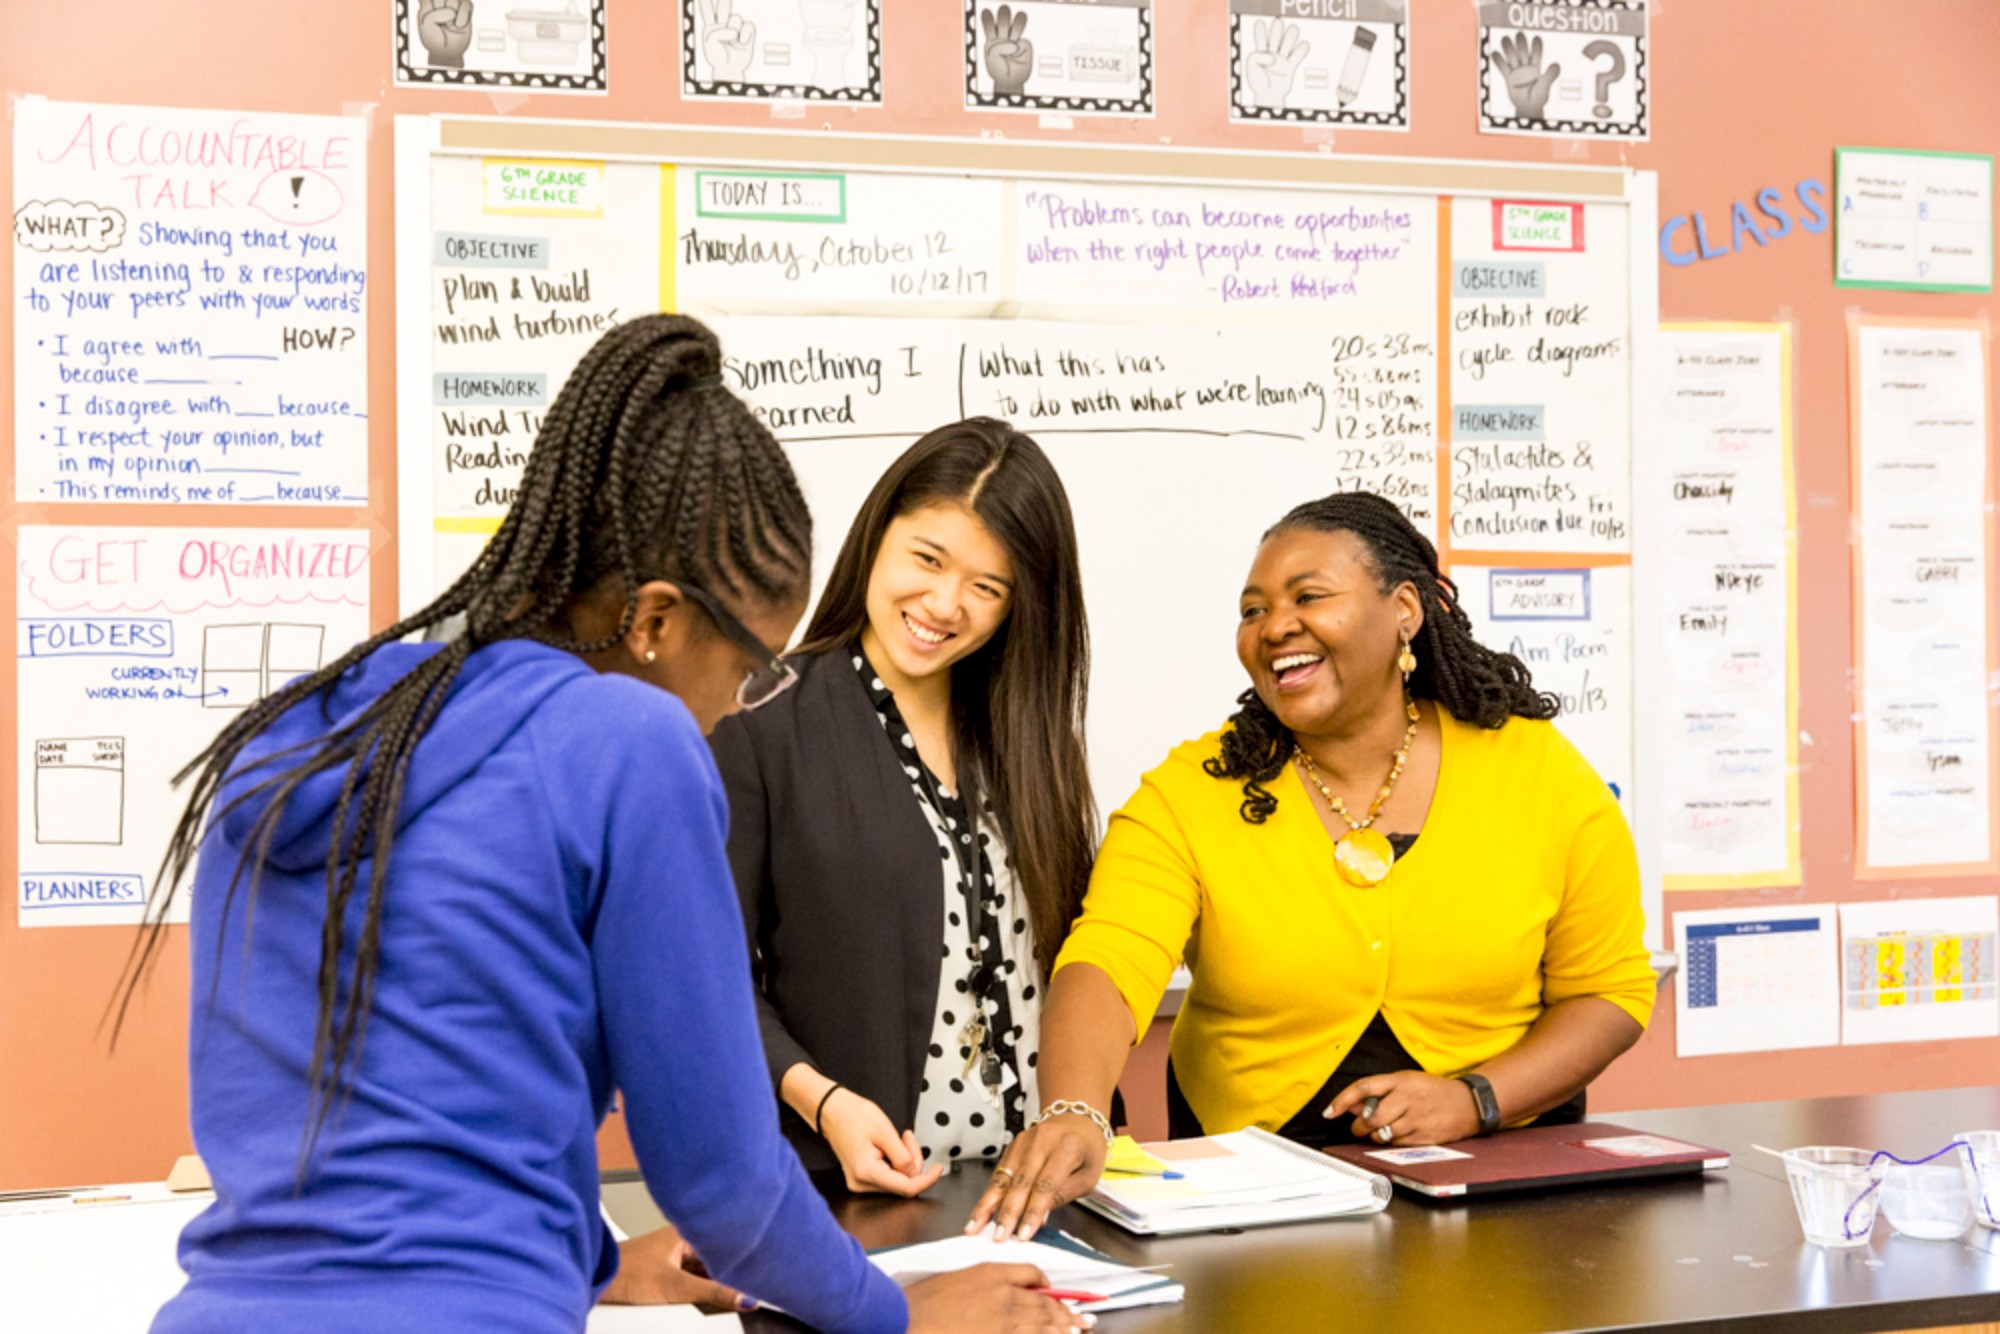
point(1320, 62)
point(1563, 68)
point(779, 50)
point(546, 46)
point(1089, 56)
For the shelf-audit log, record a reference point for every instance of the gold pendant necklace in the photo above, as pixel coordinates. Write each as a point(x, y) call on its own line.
point(1363, 854)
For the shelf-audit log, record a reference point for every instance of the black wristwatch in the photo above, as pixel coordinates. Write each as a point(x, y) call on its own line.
point(1483, 1099)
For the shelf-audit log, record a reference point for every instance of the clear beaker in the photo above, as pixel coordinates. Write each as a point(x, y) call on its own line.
point(1833, 1189)
point(1929, 1201)
point(1981, 1163)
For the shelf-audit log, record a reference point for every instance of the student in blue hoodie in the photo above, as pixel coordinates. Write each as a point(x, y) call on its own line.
point(451, 895)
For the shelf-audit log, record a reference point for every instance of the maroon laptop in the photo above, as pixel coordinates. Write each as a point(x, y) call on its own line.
point(1532, 1158)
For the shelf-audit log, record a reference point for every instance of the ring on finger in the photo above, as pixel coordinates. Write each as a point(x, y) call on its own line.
point(1384, 1134)
point(1003, 1175)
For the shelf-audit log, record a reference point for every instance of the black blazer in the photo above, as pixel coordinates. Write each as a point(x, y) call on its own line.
point(843, 891)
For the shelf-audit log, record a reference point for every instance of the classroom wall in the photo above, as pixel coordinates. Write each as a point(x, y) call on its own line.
point(1744, 96)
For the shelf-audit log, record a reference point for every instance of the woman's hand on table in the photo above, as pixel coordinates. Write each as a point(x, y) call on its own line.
point(990, 1297)
point(660, 1268)
point(1046, 1166)
point(1416, 1107)
point(873, 1157)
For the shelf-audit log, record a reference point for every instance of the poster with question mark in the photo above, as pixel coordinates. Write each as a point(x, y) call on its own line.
point(1564, 68)
point(190, 325)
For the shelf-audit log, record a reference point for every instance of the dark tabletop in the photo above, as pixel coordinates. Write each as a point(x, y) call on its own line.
point(1718, 1252)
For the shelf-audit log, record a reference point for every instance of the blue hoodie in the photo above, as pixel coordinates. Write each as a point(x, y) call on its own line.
point(559, 920)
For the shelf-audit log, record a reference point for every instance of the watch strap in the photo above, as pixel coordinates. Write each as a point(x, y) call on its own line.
point(1483, 1099)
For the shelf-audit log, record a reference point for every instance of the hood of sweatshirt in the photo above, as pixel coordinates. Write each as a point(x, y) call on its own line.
point(498, 688)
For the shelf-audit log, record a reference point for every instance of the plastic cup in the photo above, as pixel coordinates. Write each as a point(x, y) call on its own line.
point(1928, 1201)
point(1980, 1161)
point(1832, 1189)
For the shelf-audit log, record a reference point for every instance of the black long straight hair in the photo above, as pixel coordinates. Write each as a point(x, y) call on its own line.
point(644, 466)
point(1017, 704)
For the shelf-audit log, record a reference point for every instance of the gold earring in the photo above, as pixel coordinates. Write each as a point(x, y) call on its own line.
point(1407, 662)
point(652, 656)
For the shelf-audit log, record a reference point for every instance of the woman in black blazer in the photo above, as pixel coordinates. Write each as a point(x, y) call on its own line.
point(911, 825)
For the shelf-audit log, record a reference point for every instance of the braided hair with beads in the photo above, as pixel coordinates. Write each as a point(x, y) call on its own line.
point(644, 467)
point(1472, 682)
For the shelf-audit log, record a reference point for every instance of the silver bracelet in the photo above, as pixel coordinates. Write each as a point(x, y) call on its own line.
point(1067, 1106)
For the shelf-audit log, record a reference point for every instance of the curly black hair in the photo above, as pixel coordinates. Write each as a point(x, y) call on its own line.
point(1474, 683)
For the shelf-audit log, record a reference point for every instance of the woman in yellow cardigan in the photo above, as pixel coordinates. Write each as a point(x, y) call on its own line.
point(1410, 907)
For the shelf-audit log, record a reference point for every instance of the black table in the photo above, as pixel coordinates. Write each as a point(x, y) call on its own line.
point(1718, 1252)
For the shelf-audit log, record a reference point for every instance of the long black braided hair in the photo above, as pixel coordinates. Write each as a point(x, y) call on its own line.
point(1472, 682)
point(645, 466)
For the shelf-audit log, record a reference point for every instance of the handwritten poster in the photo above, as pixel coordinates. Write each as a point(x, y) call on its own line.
point(1757, 979)
point(1564, 67)
point(190, 306)
point(1732, 788)
point(134, 647)
point(1923, 595)
point(1540, 381)
point(1091, 56)
point(1914, 970)
point(556, 46)
point(1320, 62)
point(531, 262)
point(1573, 630)
point(1916, 220)
point(773, 50)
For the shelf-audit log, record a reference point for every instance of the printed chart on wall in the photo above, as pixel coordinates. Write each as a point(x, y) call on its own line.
point(135, 646)
point(1732, 787)
point(774, 50)
point(557, 46)
point(1564, 67)
point(1089, 56)
point(1914, 970)
point(1757, 979)
point(1324, 62)
point(1924, 621)
point(1196, 359)
point(1920, 221)
point(190, 324)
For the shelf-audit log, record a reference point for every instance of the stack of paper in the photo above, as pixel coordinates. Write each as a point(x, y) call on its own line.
point(1243, 1179)
point(1068, 1264)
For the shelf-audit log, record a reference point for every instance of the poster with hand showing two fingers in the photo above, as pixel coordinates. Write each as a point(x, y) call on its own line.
point(1321, 62)
point(1564, 68)
point(781, 50)
point(1090, 56)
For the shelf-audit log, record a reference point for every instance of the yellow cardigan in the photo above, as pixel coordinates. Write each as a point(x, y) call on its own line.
point(1523, 890)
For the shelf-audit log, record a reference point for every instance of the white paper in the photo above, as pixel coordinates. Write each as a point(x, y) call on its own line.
point(1573, 630)
point(1926, 723)
point(189, 315)
point(772, 50)
point(1918, 220)
point(1917, 969)
point(1564, 67)
point(1336, 64)
point(135, 646)
point(554, 46)
point(1093, 57)
point(748, 240)
point(1541, 379)
point(1730, 784)
point(1123, 1285)
point(1756, 979)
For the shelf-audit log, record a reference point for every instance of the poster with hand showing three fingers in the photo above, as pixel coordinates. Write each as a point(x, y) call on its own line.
point(545, 46)
point(1089, 56)
point(1564, 68)
point(1320, 62)
point(781, 50)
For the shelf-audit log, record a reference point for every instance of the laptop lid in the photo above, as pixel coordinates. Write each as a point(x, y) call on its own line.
point(1533, 1157)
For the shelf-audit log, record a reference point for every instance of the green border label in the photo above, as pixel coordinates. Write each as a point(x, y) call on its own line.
point(767, 210)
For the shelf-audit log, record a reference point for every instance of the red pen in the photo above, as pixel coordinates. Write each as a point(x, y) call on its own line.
point(1071, 1295)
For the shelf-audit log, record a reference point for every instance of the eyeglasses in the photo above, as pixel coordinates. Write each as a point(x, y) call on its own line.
point(771, 677)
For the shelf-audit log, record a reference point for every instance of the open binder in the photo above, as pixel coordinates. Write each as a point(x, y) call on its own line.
point(1248, 1178)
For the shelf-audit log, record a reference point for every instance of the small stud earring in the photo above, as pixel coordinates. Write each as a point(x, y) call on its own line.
point(653, 656)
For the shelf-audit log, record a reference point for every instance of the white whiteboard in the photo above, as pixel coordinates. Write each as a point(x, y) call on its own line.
point(1196, 359)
